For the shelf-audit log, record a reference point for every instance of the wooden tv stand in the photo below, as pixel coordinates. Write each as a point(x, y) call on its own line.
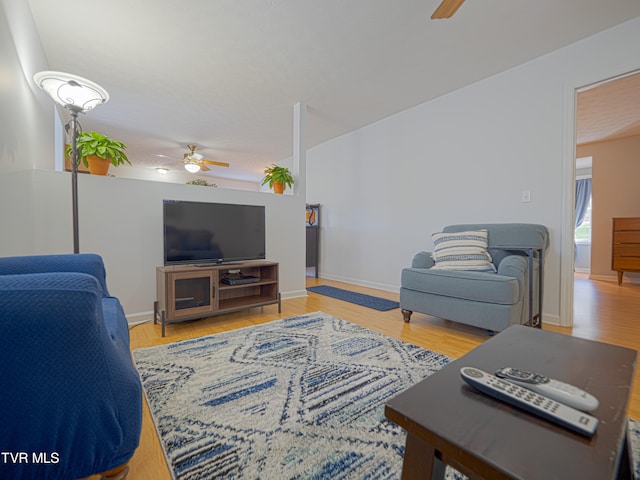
point(188, 292)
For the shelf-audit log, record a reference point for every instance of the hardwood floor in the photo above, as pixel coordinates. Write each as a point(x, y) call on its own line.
point(604, 311)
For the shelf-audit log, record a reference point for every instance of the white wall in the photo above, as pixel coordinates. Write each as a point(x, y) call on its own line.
point(121, 219)
point(26, 119)
point(26, 128)
point(583, 258)
point(464, 157)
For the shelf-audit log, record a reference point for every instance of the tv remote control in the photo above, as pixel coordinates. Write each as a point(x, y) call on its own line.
point(530, 401)
point(562, 392)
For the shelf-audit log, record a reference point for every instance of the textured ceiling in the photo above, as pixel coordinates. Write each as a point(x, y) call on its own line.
point(608, 111)
point(225, 74)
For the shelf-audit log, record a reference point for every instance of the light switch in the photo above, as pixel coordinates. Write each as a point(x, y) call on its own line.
point(526, 196)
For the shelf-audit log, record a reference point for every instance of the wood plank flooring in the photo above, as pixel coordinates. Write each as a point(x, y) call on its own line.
point(603, 311)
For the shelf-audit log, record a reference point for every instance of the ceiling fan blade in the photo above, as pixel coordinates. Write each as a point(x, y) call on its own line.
point(211, 162)
point(171, 157)
point(447, 9)
point(194, 158)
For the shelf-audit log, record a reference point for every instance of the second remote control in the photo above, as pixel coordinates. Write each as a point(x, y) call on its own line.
point(560, 391)
point(532, 402)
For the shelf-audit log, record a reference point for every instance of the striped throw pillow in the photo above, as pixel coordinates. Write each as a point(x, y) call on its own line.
point(462, 251)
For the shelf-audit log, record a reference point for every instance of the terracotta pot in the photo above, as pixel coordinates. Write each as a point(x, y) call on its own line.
point(97, 165)
point(278, 188)
point(67, 163)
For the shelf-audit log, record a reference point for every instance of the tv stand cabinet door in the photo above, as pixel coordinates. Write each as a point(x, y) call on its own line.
point(191, 293)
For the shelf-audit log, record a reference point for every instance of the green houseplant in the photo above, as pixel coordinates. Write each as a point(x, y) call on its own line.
point(278, 178)
point(98, 151)
point(201, 182)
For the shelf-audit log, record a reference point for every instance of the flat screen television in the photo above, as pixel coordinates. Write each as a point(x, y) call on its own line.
point(209, 233)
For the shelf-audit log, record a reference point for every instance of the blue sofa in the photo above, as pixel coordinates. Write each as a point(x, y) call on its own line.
point(492, 300)
point(70, 397)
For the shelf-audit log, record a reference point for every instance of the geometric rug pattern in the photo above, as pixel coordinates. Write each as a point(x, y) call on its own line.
point(296, 398)
point(634, 437)
point(300, 398)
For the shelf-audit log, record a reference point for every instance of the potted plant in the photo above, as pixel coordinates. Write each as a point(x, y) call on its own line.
point(98, 151)
point(278, 178)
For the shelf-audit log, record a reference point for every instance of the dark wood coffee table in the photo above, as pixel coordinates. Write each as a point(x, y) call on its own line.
point(449, 422)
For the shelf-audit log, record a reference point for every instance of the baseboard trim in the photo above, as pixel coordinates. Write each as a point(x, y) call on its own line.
point(293, 294)
point(550, 319)
point(362, 283)
point(138, 318)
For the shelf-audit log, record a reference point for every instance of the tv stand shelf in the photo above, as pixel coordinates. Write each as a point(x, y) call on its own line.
point(189, 292)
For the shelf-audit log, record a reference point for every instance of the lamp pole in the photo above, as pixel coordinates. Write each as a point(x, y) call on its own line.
point(77, 95)
point(74, 177)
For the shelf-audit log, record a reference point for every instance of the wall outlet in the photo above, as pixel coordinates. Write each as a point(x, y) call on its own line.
point(526, 196)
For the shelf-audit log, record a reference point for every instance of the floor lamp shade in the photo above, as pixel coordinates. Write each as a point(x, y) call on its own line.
point(71, 91)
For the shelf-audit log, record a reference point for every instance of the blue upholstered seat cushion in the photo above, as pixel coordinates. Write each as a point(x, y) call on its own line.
point(475, 286)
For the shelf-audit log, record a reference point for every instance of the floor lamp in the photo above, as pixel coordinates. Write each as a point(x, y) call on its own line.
point(77, 95)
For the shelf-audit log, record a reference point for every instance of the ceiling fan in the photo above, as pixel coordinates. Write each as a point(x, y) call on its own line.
point(193, 162)
point(447, 9)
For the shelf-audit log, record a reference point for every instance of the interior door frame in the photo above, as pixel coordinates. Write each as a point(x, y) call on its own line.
point(569, 180)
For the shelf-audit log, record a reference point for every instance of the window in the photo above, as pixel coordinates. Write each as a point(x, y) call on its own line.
point(583, 232)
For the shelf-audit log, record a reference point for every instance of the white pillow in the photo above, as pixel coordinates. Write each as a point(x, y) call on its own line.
point(462, 251)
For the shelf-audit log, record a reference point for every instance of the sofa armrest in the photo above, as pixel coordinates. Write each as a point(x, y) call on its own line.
point(422, 260)
point(88, 263)
point(513, 266)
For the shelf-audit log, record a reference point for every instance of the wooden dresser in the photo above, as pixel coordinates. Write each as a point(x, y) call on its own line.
point(625, 246)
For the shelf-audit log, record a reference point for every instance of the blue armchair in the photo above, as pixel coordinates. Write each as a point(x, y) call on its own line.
point(493, 299)
point(70, 398)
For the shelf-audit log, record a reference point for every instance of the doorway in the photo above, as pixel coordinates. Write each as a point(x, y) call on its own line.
point(606, 113)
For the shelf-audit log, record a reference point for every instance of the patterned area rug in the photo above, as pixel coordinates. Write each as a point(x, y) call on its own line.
point(296, 398)
point(634, 436)
point(377, 303)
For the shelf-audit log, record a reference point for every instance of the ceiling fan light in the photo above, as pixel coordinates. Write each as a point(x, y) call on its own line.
point(71, 91)
point(192, 167)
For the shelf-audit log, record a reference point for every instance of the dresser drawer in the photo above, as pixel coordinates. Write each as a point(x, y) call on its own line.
point(622, 224)
point(625, 246)
point(628, 237)
point(626, 263)
point(627, 250)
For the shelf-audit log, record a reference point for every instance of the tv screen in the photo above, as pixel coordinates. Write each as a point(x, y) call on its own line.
point(199, 232)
